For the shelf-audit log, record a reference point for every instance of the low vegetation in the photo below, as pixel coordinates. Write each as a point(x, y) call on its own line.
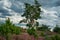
point(7, 29)
point(56, 29)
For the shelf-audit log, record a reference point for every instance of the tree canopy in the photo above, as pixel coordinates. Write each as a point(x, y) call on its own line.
point(32, 13)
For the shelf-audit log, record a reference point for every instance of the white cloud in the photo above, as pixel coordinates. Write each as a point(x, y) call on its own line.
point(2, 19)
point(7, 3)
point(16, 17)
point(48, 14)
point(48, 17)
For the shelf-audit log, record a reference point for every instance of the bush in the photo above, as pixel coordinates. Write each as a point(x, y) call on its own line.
point(43, 28)
point(57, 29)
point(42, 34)
point(32, 32)
point(54, 37)
point(17, 30)
point(8, 28)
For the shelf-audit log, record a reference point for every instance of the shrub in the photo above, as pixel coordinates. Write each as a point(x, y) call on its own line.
point(8, 28)
point(32, 32)
point(43, 28)
point(42, 34)
point(54, 37)
point(57, 29)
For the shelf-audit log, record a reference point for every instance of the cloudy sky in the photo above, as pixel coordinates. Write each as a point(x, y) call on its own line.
point(14, 8)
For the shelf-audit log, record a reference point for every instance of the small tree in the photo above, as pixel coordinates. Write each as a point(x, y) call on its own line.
point(8, 22)
point(8, 28)
point(32, 13)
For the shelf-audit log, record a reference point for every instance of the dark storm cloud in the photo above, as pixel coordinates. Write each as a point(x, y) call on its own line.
point(16, 9)
point(48, 3)
point(17, 6)
point(27, 1)
point(44, 3)
point(4, 13)
point(58, 3)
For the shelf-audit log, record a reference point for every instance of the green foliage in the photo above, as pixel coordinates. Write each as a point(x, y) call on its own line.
point(8, 23)
point(54, 37)
point(43, 28)
point(17, 30)
point(32, 32)
point(57, 29)
point(29, 25)
point(9, 28)
point(42, 34)
point(37, 24)
point(31, 13)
